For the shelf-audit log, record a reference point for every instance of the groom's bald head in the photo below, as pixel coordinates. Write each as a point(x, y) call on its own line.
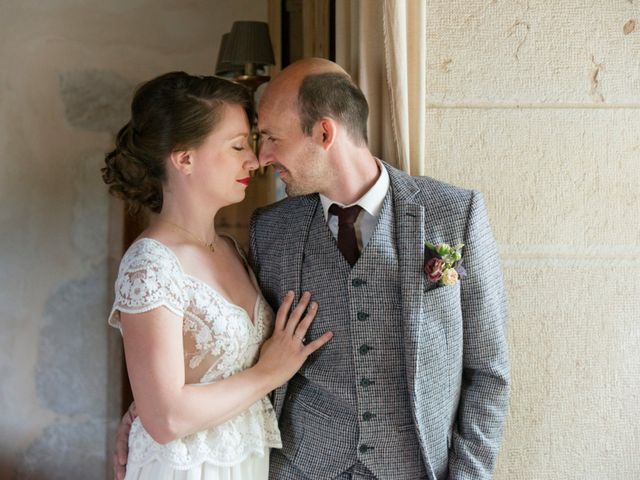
point(317, 88)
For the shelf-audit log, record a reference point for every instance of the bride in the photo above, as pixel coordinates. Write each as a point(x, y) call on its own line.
point(203, 348)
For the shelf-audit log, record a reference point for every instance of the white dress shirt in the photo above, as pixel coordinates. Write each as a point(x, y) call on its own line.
point(371, 203)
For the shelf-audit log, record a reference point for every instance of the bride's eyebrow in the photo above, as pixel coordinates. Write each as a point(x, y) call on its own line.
point(238, 135)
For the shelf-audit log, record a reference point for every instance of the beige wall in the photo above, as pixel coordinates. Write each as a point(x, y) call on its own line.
point(536, 103)
point(68, 69)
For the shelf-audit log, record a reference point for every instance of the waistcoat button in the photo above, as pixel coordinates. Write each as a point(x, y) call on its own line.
point(365, 448)
point(365, 382)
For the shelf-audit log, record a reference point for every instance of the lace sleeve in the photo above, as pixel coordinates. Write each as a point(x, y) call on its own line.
point(149, 277)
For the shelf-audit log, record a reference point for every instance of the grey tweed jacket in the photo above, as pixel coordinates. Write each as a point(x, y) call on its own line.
point(456, 355)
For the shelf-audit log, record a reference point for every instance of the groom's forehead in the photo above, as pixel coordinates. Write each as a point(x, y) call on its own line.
point(273, 114)
point(277, 101)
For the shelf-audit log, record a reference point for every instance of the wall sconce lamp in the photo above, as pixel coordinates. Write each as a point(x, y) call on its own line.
point(244, 52)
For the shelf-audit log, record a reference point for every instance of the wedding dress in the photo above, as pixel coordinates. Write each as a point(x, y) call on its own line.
point(219, 340)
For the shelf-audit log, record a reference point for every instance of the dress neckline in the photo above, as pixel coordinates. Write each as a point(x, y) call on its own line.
point(252, 278)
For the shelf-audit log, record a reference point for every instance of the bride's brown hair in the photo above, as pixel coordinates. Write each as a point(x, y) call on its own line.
point(174, 111)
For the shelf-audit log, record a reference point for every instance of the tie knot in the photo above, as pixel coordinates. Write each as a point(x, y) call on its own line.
point(346, 216)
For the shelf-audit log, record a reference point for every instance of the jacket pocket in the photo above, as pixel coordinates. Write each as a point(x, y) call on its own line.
point(312, 409)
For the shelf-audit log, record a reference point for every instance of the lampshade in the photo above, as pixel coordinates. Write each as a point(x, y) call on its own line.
point(225, 67)
point(248, 42)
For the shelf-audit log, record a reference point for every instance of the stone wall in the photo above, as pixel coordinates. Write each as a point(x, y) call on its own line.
point(536, 103)
point(68, 70)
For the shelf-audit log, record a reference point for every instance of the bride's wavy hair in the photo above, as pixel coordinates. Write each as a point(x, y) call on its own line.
point(175, 111)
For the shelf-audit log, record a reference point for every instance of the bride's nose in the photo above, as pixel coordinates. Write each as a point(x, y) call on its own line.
point(251, 162)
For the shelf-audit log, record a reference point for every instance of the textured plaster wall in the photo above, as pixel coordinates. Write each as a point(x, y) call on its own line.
point(68, 70)
point(537, 104)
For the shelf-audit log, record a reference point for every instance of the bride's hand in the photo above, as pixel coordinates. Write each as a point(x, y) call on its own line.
point(122, 443)
point(282, 355)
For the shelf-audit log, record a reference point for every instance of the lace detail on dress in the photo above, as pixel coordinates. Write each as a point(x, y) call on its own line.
point(228, 444)
point(219, 340)
point(148, 278)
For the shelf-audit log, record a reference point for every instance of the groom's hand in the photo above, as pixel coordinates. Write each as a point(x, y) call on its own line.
point(122, 443)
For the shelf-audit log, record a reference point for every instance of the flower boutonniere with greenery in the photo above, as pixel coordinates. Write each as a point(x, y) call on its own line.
point(443, 263)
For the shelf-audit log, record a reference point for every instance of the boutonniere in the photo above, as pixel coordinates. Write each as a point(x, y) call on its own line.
point(443, 263)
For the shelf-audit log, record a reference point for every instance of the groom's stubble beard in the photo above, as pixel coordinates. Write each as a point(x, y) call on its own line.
point(313, 174)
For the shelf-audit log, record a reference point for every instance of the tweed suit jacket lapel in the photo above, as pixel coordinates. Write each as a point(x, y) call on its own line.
point(409, 218)
point(294, 240)
point(413, 229)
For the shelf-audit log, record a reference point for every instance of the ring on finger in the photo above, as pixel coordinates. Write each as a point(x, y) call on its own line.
point(302, 339)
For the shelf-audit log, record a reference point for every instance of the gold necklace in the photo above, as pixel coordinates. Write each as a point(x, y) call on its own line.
point(211, 246)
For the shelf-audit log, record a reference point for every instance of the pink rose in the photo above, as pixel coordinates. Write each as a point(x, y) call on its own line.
point(450, 276)
point(433, 269)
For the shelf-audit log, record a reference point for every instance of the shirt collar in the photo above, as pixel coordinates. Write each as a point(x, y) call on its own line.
point(371, 201)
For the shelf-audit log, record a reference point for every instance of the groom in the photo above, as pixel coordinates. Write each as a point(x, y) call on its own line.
point(415, 381)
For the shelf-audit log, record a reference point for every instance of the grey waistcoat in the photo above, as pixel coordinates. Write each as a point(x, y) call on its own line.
point(350, 403)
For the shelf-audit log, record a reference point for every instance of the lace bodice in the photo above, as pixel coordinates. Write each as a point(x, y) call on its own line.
point(219, 340)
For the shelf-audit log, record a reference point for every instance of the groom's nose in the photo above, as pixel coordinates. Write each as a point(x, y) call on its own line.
point(265, 157)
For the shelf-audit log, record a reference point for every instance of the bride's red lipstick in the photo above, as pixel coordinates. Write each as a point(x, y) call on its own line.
point(244, 181)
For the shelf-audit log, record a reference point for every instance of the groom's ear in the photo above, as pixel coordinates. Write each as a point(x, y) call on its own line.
point(324, 132)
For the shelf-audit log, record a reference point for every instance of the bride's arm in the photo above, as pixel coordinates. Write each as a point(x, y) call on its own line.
point(170, 409)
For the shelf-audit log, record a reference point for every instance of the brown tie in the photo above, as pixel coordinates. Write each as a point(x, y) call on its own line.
point(347, 242)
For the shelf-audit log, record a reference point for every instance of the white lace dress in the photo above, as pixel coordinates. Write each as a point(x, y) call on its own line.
point(219, 340)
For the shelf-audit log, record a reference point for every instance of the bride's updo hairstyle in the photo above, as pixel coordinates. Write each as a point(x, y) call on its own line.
point(172, 112)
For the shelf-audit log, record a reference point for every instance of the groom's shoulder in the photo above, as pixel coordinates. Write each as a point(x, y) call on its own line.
point(277, 215)
point(428, 191)
point(437, 191)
